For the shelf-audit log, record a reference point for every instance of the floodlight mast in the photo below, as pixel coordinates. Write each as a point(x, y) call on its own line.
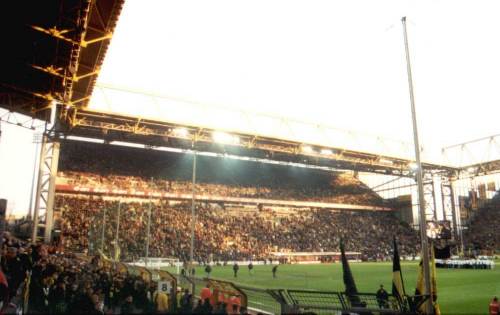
point(148, 227)
point(421, 201)
point(193, 214)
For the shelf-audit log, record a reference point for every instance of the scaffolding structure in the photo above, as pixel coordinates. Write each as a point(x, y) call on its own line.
point(43, 215)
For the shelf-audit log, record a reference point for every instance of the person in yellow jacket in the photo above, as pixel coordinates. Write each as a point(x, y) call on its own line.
point(160, 300)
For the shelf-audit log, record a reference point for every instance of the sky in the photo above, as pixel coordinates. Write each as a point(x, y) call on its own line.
point(17, 157)
point(334, 63)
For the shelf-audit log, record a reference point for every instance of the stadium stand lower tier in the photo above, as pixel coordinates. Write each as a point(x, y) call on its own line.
point(89, 222)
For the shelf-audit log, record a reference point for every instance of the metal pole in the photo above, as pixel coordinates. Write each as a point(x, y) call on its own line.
point(51, 193)
point(148, 228)
point(33, 179)
point(103, 230)
point(434, 213)
point(456, 230)
point(117, 230)
point(421, 200)
point(443, 203)
point(193, 215)
point(34, 231)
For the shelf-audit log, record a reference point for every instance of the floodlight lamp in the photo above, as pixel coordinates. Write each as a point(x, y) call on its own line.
point(471, 170)
point(413, 166)
point(307, 149)
point(181, 132)
point(386, 161)
point(225, 138)
point(326, 152)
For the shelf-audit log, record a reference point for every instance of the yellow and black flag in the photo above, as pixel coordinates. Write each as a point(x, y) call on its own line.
point(437, 311)
point(398, 288)
point(350, 286)
point(420, 289)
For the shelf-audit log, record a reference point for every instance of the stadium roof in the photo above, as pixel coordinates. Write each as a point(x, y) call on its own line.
point(324, 63)
point(162, 52)
point(53, 50)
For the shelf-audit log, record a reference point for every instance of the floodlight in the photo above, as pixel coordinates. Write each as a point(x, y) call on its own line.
point(326, 152)
point(226, 138)
point(181, 132)
point(76, 138)
point(386, 161)
point(307, 149)
point(413, 166)
point(127, 144)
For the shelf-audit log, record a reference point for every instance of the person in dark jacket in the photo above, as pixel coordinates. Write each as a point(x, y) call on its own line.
point(13, 270)
point(275, 269)
point(382, 297)
point(58, 298)
point(199, 308)
point(186, 302)
point(235, 269)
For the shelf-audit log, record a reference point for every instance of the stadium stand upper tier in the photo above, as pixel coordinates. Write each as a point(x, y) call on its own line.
point(483, 231)
point(106, 166)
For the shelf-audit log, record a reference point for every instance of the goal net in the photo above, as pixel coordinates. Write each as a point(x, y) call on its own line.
point(158, 263)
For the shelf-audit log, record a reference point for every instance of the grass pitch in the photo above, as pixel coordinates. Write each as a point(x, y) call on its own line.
point(460, 291)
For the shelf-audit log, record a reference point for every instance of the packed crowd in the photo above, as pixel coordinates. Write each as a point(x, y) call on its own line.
point(342, 190)
point(91, 222)
point(483, 231)
point(40, 279)
point(110, 167)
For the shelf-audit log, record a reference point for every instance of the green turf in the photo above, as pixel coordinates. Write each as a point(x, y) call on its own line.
point(459, 291)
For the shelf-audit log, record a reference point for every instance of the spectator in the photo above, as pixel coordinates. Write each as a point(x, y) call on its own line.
point(206, 293)
point(4, 292)
point(199, 309)
point(186, 302)
point(14, 270)
point(128, 306)
point(59, 298)
point(234, 305)
point(382, 297)
point(206, 307)
point(160, 300)
point(494, 307)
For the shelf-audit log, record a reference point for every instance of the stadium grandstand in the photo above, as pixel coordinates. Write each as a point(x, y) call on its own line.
point(146, 202)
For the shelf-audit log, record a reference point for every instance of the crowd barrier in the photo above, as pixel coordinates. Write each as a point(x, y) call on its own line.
point(166, 282)
point(289, 301)
point(21, 301)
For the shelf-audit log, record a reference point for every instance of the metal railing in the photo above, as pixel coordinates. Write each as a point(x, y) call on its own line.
point(328, 302)
point(261, 300)
point(286, 301)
